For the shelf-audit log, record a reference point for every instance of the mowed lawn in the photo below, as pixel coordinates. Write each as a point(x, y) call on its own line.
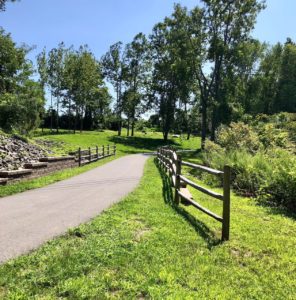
point(145, 248)
point(65, 142)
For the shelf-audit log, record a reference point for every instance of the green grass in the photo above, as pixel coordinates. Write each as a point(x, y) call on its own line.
point(144, 247)
point(125, 145)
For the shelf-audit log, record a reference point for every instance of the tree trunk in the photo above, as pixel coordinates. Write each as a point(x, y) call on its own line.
point(203, 123)
point(81, 122)
point(214, 124)
point(51, 113)
point(119, 128)
point(165, 136)
point(69, 115)
point(187, 122)
point(133, 126)
point(128, 126)
point(57, 118)
point(188, 134)
point(75, 122)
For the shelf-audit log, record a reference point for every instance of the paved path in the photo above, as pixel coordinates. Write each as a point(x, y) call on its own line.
point(29, 219)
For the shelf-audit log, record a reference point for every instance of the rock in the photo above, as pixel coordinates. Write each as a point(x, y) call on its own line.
point(14, 152)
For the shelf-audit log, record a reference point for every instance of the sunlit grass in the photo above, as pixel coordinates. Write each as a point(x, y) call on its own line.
point(144, 247)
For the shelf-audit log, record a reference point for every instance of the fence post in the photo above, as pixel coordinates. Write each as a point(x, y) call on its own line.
point(178, 181)
point(108, 149)
point(89, 154)
point(114, 150)
point(226, 204)
point(79, 157)
point(97, 152)
point(103, 151)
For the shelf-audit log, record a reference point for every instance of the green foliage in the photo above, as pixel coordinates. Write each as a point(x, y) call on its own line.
point(136, 67)
point(113, 69)
point(261, 156)
point(286, 100)
point(280, 182)
point(238, 136)
point(21, 99)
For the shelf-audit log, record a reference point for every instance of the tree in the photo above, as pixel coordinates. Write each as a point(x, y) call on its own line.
point(286, 100)
point(21, 99)
point(83, 85)
point(112, 66)
point(3, 4)
point(42, 68)
point(262, 87)
point(215, 32)
point(55, 70)
point(172, 76)
point(13, 64)
point(136, 66)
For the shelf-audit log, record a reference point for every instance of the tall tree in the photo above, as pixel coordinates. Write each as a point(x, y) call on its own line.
point(113, 68)
point(136, 66)
point(286, 100)
point(42, 68)
point(55, 69)
point(172, 76)
point(83, 84)
point(216, 30)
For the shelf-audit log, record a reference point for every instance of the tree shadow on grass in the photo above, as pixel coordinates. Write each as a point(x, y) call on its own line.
point(199, 226)
point(277, 210)
point(140, 143)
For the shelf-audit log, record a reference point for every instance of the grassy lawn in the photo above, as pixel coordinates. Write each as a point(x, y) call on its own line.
point(144, 247)
point(125, 145)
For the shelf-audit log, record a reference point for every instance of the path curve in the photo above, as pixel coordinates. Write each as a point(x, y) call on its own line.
point(30, 218)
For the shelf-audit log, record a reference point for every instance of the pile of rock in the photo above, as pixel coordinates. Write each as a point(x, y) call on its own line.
point(15, 152)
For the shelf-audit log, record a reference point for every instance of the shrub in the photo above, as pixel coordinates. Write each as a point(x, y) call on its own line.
point(280, 184)
point(238, 136)
point(262, 161)
point(248, 171)
point(270, 136)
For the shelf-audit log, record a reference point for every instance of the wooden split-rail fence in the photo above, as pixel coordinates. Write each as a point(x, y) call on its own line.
point(172, 163)
point(85, 156)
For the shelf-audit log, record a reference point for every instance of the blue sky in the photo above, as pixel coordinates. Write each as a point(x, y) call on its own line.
point(99, 23)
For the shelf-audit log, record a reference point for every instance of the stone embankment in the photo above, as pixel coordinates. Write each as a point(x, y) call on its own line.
point(15, 152)
point(21, 160)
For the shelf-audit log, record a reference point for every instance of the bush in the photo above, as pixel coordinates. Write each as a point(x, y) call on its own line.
point(248, 171)
point(270, 136)
point(261, 157)
point(280, 184)
point(238, 136)
point(270, 176)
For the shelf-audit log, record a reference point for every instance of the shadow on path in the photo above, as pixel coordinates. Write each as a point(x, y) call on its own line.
point(198, 226)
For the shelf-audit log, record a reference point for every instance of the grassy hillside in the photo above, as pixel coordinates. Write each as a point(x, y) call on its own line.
point(144, 247)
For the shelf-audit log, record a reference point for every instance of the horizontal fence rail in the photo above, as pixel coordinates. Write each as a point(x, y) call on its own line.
point(92, 154)
point(172, 163)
